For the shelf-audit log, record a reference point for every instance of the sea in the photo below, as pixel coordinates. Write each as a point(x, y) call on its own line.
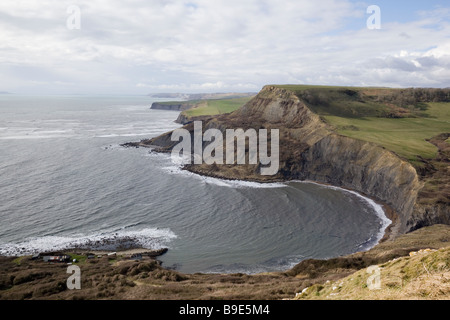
point(66, 182)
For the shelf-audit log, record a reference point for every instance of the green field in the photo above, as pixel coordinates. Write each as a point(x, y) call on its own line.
point(405, 136)
point(381, 115)
point(397, 119)
point(216, 106)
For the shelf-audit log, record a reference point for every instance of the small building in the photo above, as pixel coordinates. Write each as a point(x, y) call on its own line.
point(62, 258)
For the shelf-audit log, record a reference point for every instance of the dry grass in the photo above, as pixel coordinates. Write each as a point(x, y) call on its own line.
point(423, 276)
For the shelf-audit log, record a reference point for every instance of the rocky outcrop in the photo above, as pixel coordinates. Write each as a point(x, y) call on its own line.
point(428, 215)
point(310, 150)
point(182, 119)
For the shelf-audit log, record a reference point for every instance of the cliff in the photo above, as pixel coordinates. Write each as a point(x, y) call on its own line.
point(172, 106)
point(310, 149)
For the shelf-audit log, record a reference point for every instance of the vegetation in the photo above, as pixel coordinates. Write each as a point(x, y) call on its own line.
point(401, 120)
point(425, 275)
point(413, 123)
point(80, 259)
point(216, 106)
point(407, 137)
point(368, 102)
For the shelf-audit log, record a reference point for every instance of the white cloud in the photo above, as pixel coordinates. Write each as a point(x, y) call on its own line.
point(207, 86)
point(214, 45)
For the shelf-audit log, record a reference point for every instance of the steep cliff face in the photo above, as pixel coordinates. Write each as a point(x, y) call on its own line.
point(366, 168)
point(182, 119)
point(176, 106)
point(310, 150)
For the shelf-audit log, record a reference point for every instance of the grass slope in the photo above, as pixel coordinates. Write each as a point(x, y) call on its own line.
point(425, 275)
point(401, 120)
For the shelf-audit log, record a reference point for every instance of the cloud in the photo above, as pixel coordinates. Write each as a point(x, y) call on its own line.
point(214, 45)
point(208, 86)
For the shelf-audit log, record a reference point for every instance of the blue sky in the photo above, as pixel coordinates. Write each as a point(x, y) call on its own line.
point(146, 46)
point(406, 11)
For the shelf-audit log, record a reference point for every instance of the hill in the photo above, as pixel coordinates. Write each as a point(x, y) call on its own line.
point(196, 108)
point(335, 135)
point(371, 140)
point(425, 274)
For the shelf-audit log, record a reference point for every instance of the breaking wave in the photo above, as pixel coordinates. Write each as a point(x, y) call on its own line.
point(149, 238)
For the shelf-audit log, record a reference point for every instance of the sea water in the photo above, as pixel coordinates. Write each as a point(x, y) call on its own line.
point(66, 182)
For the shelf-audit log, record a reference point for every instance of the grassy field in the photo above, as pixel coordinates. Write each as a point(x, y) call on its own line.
point(380, 115)
point(405, 136)
point(216, 106)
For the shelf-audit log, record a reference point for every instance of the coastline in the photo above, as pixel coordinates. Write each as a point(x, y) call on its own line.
point(128, 253)
point(388, 216)
point(125, 252)
point(115, 278)
point(119, 277)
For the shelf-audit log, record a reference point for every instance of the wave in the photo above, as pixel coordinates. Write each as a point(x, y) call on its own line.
point(148, 238)
point(222, 182)
point(176, 168)
point(35, 134)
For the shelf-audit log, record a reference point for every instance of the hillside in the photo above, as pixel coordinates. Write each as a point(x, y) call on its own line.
point(197, 108)
point(425, 274)
point(413, 123)
point(339, 136)
point(344, 137)
point(211, 108)
point(399, 119)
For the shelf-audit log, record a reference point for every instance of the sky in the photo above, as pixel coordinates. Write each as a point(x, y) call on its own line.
point(141, 47)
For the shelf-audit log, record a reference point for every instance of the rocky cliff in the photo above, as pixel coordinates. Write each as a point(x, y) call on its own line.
point(310, 150)
point(175, 106)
